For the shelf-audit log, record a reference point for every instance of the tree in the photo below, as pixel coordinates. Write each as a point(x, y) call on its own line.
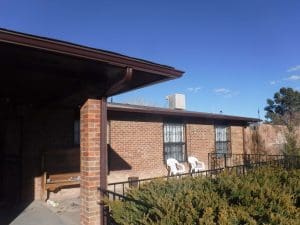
point(284, 109)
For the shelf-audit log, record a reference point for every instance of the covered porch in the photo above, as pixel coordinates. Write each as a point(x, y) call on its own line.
point(47, 88)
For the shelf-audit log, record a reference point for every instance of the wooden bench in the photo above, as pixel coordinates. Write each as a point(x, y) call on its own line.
point(61, 169)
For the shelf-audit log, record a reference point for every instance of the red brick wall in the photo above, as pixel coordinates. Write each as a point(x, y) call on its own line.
point(136, 149)
point(90, 142)
point(137, 146)
point(236, 139)
point(200, 141)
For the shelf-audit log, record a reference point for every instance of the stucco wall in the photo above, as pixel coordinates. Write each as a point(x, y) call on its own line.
point(265, 138)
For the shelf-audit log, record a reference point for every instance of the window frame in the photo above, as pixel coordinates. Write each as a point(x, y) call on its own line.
point(180, 143)
point(228, 139)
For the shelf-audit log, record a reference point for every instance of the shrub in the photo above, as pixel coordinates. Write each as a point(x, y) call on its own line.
point(264, 196)
point(291, 145)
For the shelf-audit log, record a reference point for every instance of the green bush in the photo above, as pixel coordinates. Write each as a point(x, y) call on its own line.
point(264, 196)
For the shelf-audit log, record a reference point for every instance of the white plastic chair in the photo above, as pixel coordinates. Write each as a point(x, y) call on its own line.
point(196, 165)
point(175, 167)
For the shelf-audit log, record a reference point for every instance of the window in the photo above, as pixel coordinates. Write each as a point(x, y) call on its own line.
point(174, 141)
point(222, 139)
point(76, 132)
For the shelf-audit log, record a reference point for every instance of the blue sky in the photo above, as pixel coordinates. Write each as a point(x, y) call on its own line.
point(235, 53)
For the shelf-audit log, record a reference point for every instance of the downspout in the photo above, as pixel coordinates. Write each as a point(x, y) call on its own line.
point(103, 132)
point(121, 83)
point(114, 88)
point(108, 146)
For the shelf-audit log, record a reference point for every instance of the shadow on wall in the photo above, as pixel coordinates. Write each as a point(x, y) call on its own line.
point(12, 186)
point(25, 140)
point(115, 161)
point(61, 160)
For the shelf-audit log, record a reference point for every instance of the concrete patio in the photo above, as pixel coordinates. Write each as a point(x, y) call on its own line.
point(41, 213)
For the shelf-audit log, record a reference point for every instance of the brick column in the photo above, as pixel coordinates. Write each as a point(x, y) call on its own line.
point(93, 159)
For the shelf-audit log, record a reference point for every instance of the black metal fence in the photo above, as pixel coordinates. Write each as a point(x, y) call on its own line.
point(237, 163)
point(121, 187)
point(224, 160)
point(113, 196)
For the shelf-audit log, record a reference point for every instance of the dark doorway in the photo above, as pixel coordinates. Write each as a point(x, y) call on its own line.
point(10, 157)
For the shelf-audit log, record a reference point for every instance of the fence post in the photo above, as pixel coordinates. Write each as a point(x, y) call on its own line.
point(225, 160)
point(106, 216)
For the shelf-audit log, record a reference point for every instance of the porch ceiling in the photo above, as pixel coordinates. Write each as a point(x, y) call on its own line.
point(42, 71)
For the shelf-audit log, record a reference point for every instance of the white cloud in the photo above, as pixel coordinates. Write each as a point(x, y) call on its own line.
point(292, 69)
point(293, 78)
point(226, 93)
point(290, 78)
point(194, 89)
point(222, 91)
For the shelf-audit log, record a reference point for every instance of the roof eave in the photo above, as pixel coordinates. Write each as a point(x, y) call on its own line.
point(87, 53)
point(163, 112)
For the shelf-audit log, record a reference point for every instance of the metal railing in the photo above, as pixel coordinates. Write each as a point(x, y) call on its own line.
point(217, 162)
point(110, 195)
point(224, 160)
point(121, 187)
point(113, 196)
point(233, 163)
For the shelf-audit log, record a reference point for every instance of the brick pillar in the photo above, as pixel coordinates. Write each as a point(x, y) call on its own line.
point(93, 159)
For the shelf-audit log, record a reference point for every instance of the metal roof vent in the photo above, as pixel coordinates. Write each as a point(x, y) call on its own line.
point(176, 101)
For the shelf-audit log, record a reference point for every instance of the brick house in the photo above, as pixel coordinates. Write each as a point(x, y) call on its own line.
point(53, 101)
point(46, 87)
point(139, 138)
